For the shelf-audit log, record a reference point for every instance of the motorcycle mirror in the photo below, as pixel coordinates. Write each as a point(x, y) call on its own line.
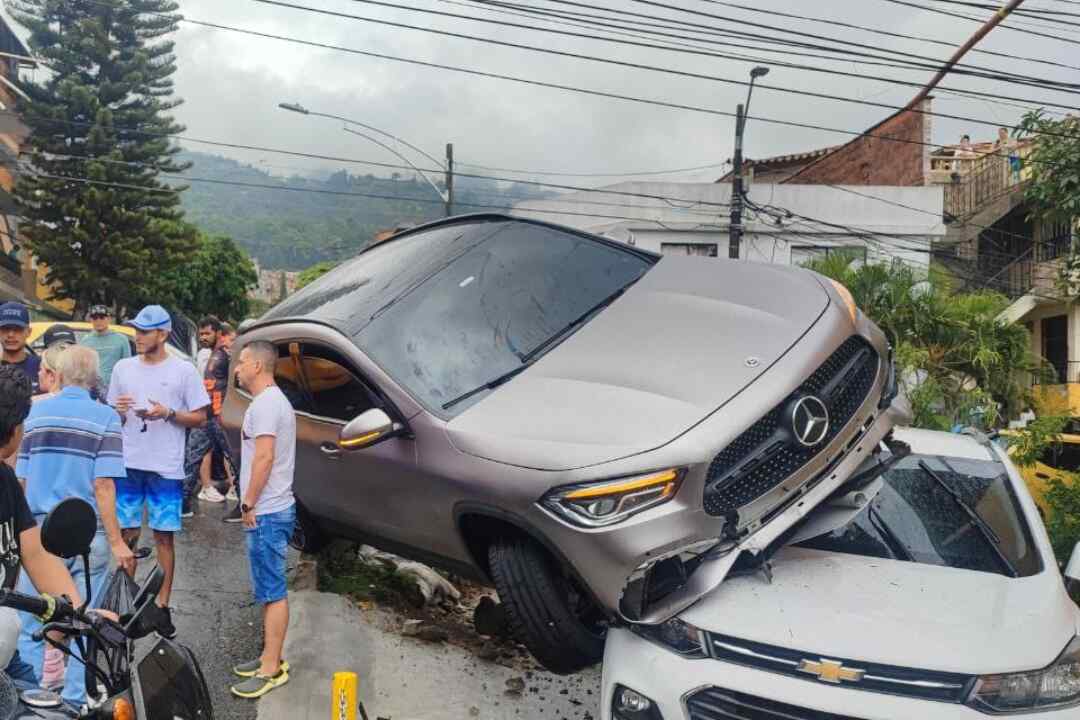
point(68, 530)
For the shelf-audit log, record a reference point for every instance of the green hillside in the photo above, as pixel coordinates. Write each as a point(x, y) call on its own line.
point(286, 228)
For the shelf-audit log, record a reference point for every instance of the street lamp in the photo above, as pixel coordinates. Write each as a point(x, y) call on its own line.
point(737, 191)
point(447, 196)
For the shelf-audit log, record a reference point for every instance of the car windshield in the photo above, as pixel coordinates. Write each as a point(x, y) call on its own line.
point(447, 311)
point(913, 518)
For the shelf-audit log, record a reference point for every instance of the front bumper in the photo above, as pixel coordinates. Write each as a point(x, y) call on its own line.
point(607, 560)
point(670, 680)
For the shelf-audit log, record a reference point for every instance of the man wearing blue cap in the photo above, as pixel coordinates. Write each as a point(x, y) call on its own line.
point(158, 397)
point(14, 329)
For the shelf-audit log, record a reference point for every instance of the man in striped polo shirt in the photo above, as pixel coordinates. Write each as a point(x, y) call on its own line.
point(72, 447)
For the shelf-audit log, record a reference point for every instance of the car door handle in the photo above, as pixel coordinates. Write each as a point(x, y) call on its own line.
point(330, 450)
point(1042, 476)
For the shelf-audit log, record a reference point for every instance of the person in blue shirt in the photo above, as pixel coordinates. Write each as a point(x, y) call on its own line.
point(72, 448)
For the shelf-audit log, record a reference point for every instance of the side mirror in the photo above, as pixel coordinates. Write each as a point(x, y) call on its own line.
point(68, 530)
point(367, 429)
point(1072, 568)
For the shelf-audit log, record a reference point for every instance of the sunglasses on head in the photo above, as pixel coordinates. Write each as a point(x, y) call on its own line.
point(98, 316)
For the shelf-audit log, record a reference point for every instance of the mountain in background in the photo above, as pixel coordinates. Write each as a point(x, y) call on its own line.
point(301, 220)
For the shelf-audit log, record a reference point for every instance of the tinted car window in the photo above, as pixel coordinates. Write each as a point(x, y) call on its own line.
point(478, 315)
point(347, 296)
point(335, 390)
point(914, 518)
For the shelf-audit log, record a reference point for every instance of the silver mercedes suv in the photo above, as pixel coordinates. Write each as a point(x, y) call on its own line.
point(598, 431)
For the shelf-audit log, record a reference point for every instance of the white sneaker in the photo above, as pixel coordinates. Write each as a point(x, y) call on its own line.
point(231, 496)
point(210, 494)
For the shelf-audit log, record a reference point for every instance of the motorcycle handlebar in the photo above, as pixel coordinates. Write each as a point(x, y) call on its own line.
point(46, 607)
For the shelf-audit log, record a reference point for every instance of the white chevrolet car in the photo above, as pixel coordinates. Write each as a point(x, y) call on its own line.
point(931, 593)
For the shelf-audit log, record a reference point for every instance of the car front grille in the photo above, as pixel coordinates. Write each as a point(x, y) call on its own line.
point(766, 454)
point(719, 704)
point(851, 674)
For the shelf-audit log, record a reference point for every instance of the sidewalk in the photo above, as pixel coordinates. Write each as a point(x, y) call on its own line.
point(408, 679)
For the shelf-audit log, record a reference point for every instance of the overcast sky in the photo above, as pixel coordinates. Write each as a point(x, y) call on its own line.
point(231, 84)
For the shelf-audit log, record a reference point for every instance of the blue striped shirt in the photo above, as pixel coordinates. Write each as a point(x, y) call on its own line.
point(70, 440)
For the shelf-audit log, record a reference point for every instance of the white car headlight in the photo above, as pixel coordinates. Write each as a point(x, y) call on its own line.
point(612, 501)
point(679, 637)
point(1057, 686)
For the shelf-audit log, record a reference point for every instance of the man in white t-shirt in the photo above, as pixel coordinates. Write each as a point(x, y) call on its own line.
point(158, 397)
point(268, 510)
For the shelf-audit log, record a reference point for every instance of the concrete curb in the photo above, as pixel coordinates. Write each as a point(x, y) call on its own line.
point(324, 637)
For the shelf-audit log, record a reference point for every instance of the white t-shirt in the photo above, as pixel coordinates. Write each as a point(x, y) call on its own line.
point(175, 384)
point(270, 414)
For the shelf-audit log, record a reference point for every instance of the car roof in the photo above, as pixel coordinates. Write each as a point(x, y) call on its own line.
point(37, 329)
point(949, 444)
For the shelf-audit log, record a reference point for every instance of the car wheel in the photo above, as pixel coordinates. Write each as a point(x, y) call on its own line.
point(307, 536)
point(547, 612)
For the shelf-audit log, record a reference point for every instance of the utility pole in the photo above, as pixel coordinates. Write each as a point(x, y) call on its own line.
point(449, 179)
point(735, 228)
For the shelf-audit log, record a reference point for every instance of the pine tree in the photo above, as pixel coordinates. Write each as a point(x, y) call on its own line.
point(93, 207)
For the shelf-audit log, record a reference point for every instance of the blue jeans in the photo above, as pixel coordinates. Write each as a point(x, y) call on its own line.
point(33, 653)
point(268, 546)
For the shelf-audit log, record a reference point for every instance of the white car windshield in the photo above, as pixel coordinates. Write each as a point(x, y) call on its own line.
point(920, 516)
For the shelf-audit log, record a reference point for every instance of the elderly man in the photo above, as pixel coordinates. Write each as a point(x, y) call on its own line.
point(14, 330)
point(159, 397)
point(72, 448)
point(20, 537)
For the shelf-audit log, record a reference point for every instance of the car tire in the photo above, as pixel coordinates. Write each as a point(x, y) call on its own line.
point(547, 614)
point(307, 536)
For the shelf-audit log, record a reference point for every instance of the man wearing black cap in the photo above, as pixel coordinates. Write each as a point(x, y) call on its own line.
point(111, 346)
point(59, 334)
point(14, 330)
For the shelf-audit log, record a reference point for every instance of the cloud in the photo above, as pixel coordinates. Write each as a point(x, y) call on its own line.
point(232, 83)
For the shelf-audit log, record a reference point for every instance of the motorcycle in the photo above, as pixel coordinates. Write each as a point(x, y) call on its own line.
point(165, 683)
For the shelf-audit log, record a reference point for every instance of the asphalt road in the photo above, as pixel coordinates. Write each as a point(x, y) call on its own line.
point(212, 606)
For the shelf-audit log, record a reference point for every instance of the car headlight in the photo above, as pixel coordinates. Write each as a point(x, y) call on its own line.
point(679, 637)
point(846, 296)
point(612, 501)
point(1057, 686)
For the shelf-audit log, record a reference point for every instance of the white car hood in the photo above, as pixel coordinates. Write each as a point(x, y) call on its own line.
point(897, 613)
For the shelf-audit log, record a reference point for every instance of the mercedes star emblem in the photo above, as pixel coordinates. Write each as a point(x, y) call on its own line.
point(810, 420)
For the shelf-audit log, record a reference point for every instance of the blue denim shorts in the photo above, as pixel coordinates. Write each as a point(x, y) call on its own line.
point(267, 547)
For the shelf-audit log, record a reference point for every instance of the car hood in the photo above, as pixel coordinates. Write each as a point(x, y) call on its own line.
point(897, 613)
point(681, 342)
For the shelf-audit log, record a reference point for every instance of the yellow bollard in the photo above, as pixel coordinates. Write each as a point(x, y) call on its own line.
point(343, 696)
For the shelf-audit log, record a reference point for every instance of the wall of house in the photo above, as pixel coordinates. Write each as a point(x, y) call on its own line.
point(895, 152)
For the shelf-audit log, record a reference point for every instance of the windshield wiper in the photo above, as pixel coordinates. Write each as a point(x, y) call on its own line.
point(490, 385)
point(530, 357)
point(576, 322)
point(984, 529)
point(892, 541)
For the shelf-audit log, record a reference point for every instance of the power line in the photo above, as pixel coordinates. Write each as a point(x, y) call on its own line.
point(1070, 88)
point(939, 11)
point(212, 181)
point(886, 33)
point(525, 81)
point(669, 71)
point(677, 171)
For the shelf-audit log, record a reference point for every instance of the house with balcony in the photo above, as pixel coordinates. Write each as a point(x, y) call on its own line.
point(992, 243)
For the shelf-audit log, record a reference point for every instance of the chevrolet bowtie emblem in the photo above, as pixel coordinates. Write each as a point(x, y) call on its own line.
point(831, 671)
